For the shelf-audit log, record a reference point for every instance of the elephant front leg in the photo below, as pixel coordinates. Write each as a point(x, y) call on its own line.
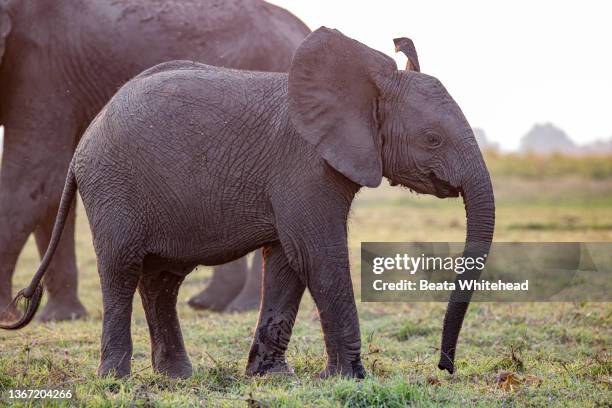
point(21, 208)
point(282, 292)
point(329, 282)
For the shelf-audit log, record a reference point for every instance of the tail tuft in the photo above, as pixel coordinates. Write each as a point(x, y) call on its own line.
point(24, 306)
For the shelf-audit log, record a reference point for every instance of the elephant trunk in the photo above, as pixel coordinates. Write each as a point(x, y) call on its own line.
point(479, 203)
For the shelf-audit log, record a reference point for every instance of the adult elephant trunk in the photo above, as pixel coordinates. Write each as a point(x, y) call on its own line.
point(479, 203)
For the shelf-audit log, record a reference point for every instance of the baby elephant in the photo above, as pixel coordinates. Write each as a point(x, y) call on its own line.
point(191, 164)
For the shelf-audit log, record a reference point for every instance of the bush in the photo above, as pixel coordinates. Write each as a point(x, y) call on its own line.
point(530, 165)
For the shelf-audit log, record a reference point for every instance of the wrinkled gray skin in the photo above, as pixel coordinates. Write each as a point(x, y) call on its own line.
point(191, 164)
point(61, 61)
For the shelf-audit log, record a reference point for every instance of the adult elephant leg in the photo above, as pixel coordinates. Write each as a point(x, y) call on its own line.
point(282, 292)
point(31, 183)
point(61, 278)
point(15, 227)
point(226, 283)
point(158, 291)
point(21, 208)
point(250, 295)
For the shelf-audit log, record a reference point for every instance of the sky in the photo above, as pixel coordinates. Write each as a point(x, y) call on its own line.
point(508, 64)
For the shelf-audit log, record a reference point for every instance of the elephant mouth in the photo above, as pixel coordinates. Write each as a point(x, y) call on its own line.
point(429, 184)
point(442, 188)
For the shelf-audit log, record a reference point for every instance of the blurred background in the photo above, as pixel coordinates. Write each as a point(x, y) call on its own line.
point(510, 66)
point(529, 75)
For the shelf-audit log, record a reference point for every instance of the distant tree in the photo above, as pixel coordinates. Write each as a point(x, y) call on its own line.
point(547, 138)
point(483, 141)
point(598, 147)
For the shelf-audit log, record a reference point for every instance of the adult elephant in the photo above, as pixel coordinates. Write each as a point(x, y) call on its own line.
point(61, 61)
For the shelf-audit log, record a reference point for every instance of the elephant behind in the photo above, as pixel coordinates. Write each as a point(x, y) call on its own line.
point(61, 61)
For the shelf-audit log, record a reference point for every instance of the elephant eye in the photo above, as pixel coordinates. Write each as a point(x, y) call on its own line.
point(433, 140)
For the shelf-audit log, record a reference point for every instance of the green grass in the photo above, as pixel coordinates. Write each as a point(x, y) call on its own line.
point(558, 352)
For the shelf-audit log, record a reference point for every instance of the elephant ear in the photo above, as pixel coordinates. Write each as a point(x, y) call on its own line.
point(334, 84)
point(5, 29)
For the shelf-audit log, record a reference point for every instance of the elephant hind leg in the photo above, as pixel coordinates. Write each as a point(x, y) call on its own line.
point(158, 292)
point(282, 293)
point(120, 269)
point(61, 277)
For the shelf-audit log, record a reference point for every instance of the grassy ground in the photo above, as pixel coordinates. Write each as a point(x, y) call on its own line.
point(556, 353)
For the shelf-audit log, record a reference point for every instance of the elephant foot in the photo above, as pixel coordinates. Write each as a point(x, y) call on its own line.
point(260, 368)
point(209, 300)
point(56, 310)
point(174, 367)
point(115, 369)
point(8, 313)
point(226, 283)
point(245, 301)
point(354, 370)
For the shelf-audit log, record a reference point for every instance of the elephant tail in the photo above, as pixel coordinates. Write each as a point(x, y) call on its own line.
point(28, 299)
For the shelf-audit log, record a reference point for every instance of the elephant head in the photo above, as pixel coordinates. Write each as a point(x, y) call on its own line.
point(368, 120)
